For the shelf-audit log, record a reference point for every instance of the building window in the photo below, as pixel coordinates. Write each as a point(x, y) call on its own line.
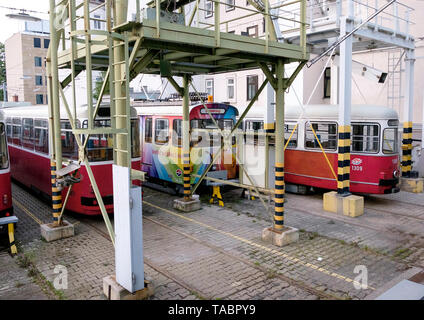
point(327, 83)
point(46, 43)
point(38, 80)
point(209, 9)
point(252, 86)
point(97, 24)
point(230, 5)
point(37, 61)
point(209, 87)
point(252, 31)
point(37, 43)
point(39, 99)
point(230, 88)
point(326, 134)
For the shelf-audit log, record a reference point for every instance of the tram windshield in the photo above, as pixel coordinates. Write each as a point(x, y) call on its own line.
point(199, 126)
point(4, 160)
point(390, 140)
point(100, 146)
point(365, 138)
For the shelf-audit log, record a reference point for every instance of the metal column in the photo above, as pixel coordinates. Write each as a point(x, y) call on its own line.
point(269, 112)
point(122, 158)
point(54, 114)
point(186, 138)
point(407, 114)
point(345, 99)
point(279, 149)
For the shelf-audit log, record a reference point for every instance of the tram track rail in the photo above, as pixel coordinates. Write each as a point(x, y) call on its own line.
point(320, 294)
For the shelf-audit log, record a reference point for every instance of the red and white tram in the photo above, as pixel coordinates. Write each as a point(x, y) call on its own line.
point(27, 135)
point(374, 146)
point(6, 208)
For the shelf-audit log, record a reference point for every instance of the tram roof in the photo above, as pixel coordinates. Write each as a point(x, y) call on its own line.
point(41, 111)
point(328, 111)
point(168, 108)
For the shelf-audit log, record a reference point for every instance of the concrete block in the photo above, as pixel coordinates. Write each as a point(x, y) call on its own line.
point(414, 185)
point(187, 206)
point(330, 201)
point(52, 233)
point(114, 291)
point(353, 206)
point(283, 238)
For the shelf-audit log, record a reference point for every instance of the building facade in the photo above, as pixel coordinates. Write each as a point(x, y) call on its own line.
point(25, 65)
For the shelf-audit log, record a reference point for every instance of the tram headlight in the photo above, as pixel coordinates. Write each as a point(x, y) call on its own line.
point(396, 173)
point(5, 199)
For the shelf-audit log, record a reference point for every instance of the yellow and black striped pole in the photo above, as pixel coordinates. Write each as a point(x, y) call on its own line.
point(407, 149)
point(186, 140)
point(343, 170)
point(56, 194)
point(279, 150)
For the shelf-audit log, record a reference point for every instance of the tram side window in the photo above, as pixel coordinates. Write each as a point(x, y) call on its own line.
point(390, 140)
point(9, 130)
point(161, 131)
point(148, 130)
point(4, 161)
point(135, 138)
point(41, 138)
point(69, 144)
point(365, 138)
point(326, 133)
point(99, 146)
point(177, 132)
point(252, 127)
point(288, 130)
point(27, 133)
point(16, 131)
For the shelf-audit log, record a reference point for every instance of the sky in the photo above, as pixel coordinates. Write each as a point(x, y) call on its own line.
point(10, 26)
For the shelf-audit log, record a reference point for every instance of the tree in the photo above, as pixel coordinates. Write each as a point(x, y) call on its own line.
point(2, 69)
point(99, 84)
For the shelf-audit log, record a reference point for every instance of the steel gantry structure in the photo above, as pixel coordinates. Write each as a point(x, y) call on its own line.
point(151, 44)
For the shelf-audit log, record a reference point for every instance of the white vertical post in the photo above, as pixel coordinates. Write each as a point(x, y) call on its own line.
point(345, 81)
point(408, 108)
point(345, 75)
point(270, 106)
point(409, 86)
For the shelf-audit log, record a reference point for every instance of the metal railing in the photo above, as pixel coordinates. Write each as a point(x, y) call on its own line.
point(396, 18)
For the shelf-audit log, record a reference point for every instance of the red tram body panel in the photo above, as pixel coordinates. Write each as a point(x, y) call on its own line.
point(374, 154)
point(368, 174)
point(31, 165)
point(6, 207)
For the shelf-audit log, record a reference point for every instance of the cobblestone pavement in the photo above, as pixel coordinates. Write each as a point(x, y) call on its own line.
point(217, 253)
point(15, 283)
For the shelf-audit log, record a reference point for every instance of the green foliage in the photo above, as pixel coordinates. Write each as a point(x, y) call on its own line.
point(98, 86)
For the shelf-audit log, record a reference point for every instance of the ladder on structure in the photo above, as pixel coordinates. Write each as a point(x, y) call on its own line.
point(394, 85)
point(122, 77)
